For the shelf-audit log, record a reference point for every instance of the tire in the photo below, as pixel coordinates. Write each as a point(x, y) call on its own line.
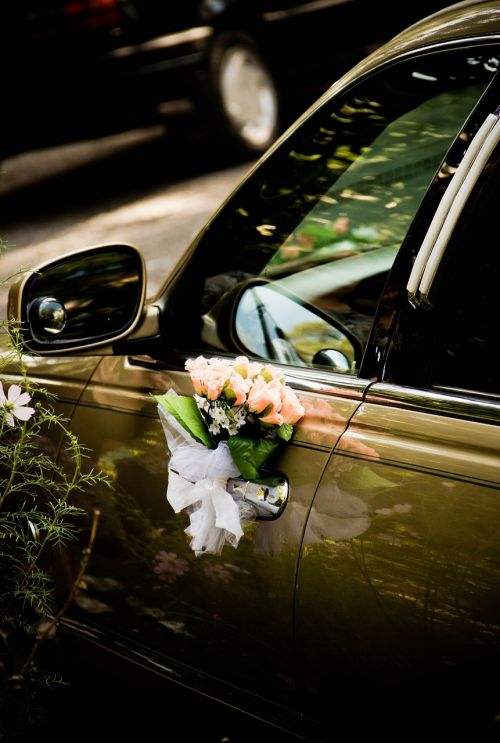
point(243, 96)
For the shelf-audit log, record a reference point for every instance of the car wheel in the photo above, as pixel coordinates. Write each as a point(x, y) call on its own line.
point(245, 95)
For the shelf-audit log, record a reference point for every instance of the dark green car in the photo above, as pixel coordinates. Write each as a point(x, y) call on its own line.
point(359, 257)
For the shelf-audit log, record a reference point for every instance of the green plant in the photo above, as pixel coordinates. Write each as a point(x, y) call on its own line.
point(41, 470)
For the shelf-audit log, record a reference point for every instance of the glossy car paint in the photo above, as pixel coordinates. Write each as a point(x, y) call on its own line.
point(399, 563)
point(242, 625)
point(373, 600)
point(65, 378)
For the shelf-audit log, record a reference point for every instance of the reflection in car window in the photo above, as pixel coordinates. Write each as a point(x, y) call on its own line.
point(273, 324)
point(359, 224)
point(324, 217)
point(372, 202)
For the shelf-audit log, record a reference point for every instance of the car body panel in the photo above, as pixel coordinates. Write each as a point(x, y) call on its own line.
point(408, 582)
point(428, 441)
point(372, 600)
point(65, 378)
point(242, 627)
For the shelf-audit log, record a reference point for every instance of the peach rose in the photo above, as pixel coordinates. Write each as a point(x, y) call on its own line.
point(197, 369)
point(208, 376)
point(213, 383)
point(198, 364)
point(222, 365)
point(236, 389)
point(247, 369)
point(291, 409)
point(269, 373)
point(263, 394)
point(273, 418)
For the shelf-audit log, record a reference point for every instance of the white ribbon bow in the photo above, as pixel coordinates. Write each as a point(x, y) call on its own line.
point(197, 481)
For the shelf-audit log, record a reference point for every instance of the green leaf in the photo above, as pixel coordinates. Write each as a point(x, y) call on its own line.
point(250, 455)
point(285, 431)
point(185, 410)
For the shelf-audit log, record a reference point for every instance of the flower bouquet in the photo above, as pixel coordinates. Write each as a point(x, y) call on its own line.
point(240, 414)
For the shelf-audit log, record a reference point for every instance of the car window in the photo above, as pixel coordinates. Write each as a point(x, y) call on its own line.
point(293, 267)
point(465, 313)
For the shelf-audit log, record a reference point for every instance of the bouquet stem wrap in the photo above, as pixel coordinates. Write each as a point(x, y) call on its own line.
point(197, 482)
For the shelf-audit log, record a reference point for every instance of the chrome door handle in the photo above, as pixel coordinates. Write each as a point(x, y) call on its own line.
point(268, 501)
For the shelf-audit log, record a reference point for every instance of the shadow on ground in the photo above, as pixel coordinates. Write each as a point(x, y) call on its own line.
point(126, 167)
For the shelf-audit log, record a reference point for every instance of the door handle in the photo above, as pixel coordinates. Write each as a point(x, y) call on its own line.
point(267, 501)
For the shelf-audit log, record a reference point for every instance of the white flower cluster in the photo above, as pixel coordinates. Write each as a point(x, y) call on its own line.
point(222, 415)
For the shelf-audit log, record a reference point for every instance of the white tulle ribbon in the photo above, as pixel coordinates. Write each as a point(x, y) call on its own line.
point(197, 482)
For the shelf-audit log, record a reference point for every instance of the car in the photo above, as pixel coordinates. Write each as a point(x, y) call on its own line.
point(358, 258)
point(87, 68)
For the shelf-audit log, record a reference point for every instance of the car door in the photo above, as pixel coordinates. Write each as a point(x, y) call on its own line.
point(403, 540)
point(229, 616)
point(319, 223)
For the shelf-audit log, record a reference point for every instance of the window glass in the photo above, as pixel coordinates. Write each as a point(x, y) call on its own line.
point(465, 315)
point(322, 220)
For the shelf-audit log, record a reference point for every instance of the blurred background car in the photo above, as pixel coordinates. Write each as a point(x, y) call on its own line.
point(79, 69)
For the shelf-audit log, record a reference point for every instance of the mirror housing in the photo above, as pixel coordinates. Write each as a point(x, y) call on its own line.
point(80, 301)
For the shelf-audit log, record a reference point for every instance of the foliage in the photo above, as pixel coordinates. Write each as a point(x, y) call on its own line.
point(36, 517)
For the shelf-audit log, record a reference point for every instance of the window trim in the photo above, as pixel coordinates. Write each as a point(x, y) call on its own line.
point(399, 343)
point(454, 403)
point(452, 204)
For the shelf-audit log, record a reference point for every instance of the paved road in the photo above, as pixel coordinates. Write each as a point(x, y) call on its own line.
point(140, 187)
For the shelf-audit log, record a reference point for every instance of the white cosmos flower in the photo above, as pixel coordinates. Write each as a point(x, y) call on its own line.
point(14, 404)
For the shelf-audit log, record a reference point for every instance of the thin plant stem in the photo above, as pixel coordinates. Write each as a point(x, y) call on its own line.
point(18, 445)
point(76, 583)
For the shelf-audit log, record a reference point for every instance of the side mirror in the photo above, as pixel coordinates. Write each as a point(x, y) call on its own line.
point(272, 323)
point(333, 358)
point(263, 319)
point(80, 301)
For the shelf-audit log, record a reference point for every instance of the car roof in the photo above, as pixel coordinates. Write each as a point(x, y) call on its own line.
point(467, 19)
point(470, 18)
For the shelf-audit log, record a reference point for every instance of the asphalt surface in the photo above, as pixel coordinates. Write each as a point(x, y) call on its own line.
point(141, 187)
